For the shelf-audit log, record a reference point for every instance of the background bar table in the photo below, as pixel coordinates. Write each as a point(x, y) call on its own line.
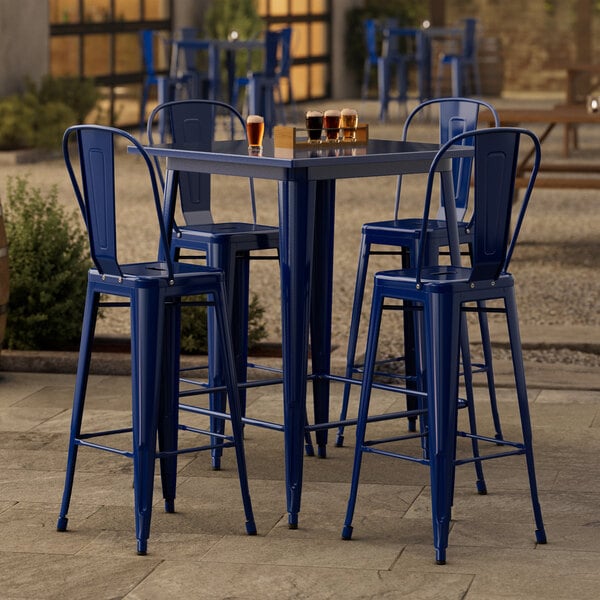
point(214, 48)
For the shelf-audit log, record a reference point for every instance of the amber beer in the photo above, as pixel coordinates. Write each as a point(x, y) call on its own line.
point(331, 123)
point(314, 125)
point(349, 123)
point(255, 130)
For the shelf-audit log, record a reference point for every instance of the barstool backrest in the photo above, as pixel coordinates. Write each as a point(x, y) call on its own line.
point(456, 115)
point(496, 153)
point(197, 124)
point(95, 191)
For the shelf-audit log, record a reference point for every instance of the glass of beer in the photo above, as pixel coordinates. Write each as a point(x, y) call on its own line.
point(255, 130)
point(348, 124)
point(331, 123)
point(314, 125)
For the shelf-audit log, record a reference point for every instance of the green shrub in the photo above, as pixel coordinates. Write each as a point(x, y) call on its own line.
point(48, 270)
point(50, 123)
point(80, 95)
point(407, 12)
point(26, 123)
point(225, 16)
point(38, 117)
point(16, 123)
point(48, 277)
point(194, 336)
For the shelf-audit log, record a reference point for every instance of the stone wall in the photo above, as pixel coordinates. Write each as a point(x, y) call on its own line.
point(23, 43)
point(535, 39)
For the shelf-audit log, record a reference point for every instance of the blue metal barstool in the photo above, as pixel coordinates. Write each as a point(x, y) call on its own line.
point(399, 51)
point(153, 291)
point(229, 246)
point(284, 69)
point(439, 295)
point(370, 29)
point(166, 86)
point(261, 85)
point(456, 115)
point(464, 66)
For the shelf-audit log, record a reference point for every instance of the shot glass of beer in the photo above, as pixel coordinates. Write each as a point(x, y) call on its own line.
point(331, 123)
point(348, 124)
point(255, 130)
point(314, 125)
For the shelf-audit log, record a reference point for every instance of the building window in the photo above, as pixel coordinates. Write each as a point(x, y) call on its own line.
point(311, 51)
point(100, 39)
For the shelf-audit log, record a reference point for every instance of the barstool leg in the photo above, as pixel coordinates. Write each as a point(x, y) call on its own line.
point(359, 292)
point(489, 368)
point(363, 409)
point(168, 423)
point(83, 368)
point(470, 400)
point(147, 322)
point(519, 370)
point(234, 404)
point(442, 330)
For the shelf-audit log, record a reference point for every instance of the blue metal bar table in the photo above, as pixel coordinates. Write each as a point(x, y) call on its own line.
point(421, 40)
point(306, 191)
point(214, 48)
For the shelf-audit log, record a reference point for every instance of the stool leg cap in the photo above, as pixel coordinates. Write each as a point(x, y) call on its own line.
point(62, 524)
point(251, 528)
point(540, 536)
point(347, 532)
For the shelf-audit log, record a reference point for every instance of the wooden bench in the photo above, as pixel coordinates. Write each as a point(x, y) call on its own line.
point(575, 174)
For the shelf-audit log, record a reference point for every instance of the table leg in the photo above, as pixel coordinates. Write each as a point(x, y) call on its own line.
point(383, 86)
point(296, 223)
point(321, 303)
point(214, 74)
point(423, 44)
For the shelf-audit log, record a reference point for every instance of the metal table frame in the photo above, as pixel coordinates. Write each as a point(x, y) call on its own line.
point(306, 192)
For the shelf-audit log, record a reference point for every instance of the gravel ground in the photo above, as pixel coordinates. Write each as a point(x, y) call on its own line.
point(556, 263)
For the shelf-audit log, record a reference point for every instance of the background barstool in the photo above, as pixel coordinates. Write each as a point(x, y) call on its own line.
point(464, 65)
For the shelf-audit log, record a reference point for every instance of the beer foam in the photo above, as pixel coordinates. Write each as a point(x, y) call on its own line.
point(332, 112)
point(255, 119)
point(313, 113)
point(348, 111)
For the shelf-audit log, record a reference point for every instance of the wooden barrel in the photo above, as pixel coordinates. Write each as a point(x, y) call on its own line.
point(3, 278)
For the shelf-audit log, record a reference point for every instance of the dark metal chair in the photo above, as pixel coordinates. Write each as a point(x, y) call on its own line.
point(153, 291)
point(439, 296)
point(229, 246)
point(404, 235)
point(464, 66)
